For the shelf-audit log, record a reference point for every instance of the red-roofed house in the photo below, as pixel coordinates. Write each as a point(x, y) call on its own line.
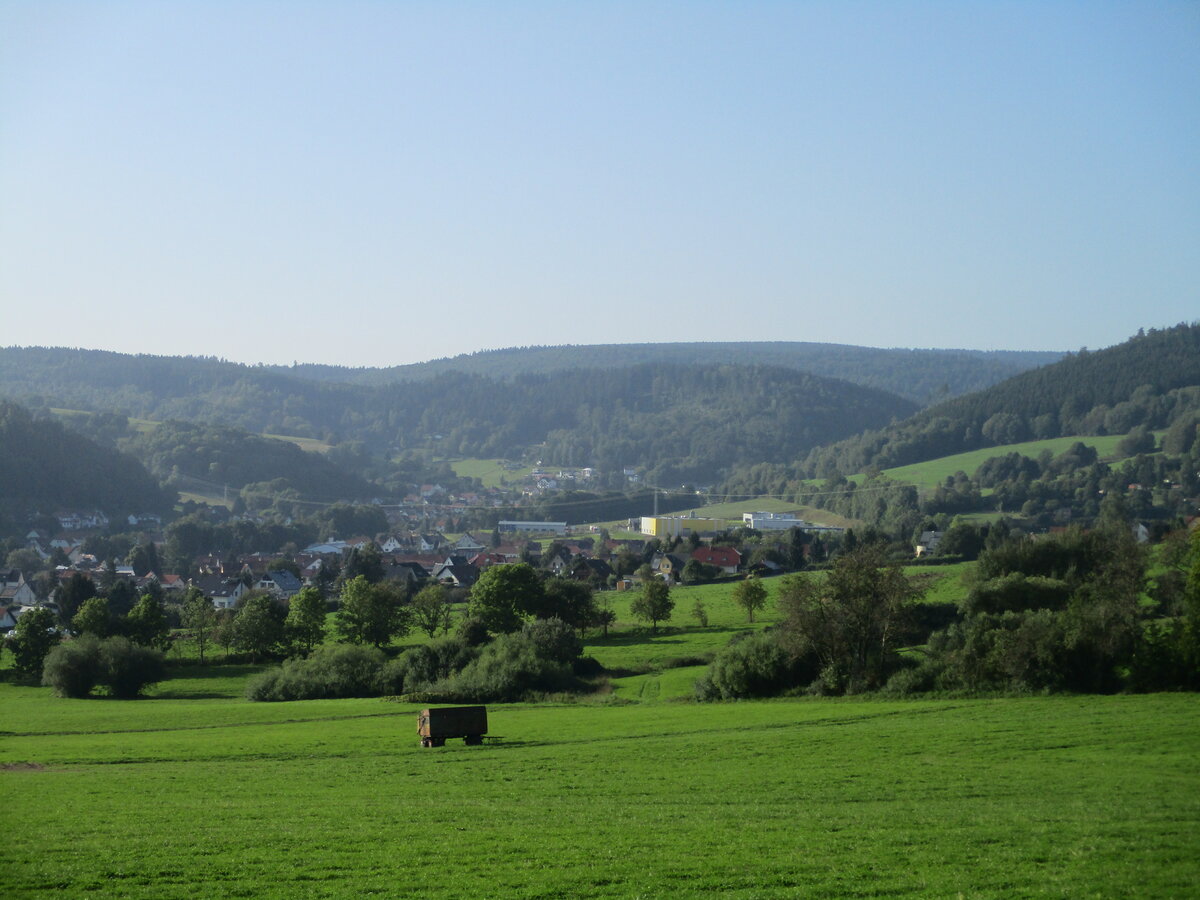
point(727, 559)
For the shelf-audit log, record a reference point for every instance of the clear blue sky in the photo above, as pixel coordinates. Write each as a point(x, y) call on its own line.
point(374, 183)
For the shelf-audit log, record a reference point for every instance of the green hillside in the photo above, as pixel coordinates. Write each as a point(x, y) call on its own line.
point(1152, 380)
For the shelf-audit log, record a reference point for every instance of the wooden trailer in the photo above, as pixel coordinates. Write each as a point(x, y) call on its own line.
point(466, 722)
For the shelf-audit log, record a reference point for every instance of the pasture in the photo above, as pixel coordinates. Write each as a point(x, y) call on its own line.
point(208, 795)
point(928, 475)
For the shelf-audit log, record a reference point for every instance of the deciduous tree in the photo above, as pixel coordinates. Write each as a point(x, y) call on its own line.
point(371, 614)
point(654, 603)
point(503, 595)
point(199, 617)
point(304, 627)
point(750, 595)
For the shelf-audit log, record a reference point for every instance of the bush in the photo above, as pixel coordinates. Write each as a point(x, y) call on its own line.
point(74, 668)
point(474, 632)
point(755, 665)
point(129, 668)
point(333, 671)
point(420, 667)
point(918, 679)
point(506, 670)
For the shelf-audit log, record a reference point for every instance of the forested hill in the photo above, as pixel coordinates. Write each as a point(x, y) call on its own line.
point(680, 423)
point(164, 387)
point(1151, 381)
point(46, 468)
point(922, 376)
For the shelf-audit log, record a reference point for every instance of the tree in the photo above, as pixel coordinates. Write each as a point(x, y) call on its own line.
point(93, 618)
point(364, 562)
point(571, 601)
point(199, 617)
point(258, 627)
point(147, 625)
point(700, 613)
point(852, 621)
point(122, 595)
point(24, 560)
point(128, 668)
point(431, 609)
point(32, 639)
point(144, 559)
point(654, 603)
point(693, 572)
point(74, 668)
point(73, 593)
point(304, 627)
point(503, 594)
point(370, 614)
point(750, 595)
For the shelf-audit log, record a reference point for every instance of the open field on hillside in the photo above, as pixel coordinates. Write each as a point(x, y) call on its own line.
point(312, 445)
point(1062, 796)
point(490, 472)
point(928, 475)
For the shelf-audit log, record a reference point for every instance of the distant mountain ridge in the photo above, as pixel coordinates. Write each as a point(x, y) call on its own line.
point(920, 375)
point(681, 422)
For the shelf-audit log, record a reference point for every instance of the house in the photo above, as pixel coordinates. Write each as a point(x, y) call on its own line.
point(928, 543)
point(407, 572)
point(15, 590)
point(467, 545)
point(727, 559)
point(224, 592)
point(392, 543)
point(669, 566)
point(593, 570)
point(463, 575)
point(430, 543)
point(280, 583)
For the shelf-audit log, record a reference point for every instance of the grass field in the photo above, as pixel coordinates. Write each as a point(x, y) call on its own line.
point(214, 796)
point(928, 475)
point(489, 471)
point(312, 445)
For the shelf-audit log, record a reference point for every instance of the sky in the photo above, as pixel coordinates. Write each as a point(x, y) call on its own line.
point(379, 183)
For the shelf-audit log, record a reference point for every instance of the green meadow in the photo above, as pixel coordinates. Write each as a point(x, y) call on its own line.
point(928, 475)
point(205, 795)
point(490, 472)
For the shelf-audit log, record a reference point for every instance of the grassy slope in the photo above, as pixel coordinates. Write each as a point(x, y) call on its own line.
point(1063, 796)
point(488, 471)
point(933, 472)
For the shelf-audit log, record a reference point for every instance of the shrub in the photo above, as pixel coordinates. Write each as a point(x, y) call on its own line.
point(333, 671)
point(474, 632)
point(513, 666)
point(129, 668)
point(416, 669)
point(74, 668)
point(755, 665)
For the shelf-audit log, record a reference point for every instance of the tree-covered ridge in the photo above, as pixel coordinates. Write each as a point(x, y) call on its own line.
point(1150, 380)
point(233, 457)
point(921, 375)
point(683, 423)
point(164, 387)
point(45, 467)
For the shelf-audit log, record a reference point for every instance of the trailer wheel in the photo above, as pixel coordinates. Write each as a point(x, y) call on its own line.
point(473, 740)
